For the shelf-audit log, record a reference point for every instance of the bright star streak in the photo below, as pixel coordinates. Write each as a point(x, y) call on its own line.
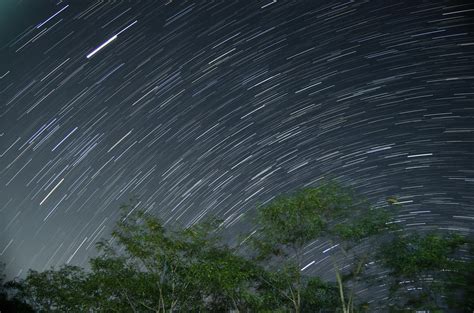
point(39, 25)
point(126, 28)
point(52, 190)
point(101, 46)
point(55, 147)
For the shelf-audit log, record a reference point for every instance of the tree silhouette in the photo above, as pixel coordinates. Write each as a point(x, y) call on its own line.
point(329, 211)
point(145, 267)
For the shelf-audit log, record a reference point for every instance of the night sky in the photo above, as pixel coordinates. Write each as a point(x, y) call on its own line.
point(205, 108)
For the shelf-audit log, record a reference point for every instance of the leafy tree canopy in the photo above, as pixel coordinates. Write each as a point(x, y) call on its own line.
point(146, 267)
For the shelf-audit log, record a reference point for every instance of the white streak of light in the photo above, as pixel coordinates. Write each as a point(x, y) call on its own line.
point(4, 75)
point(311, 263)
point(52, 17)
point(8, 245)
point(419, 155)
point(330, 248)
point(52, 191)
point(70, 258)
point(101, 46)
point(120, 140)
point(64, 139)
point(126, 28)
point(55, 207)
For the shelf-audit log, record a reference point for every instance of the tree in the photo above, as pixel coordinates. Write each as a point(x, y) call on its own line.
point(188, 268)
point(370, 225)
point(329, 211)
point(7, 302)
point(319, 296)
point(144, 267)
point(461, 288)
point(147, 268)
point(428, 272)
point(51, 291)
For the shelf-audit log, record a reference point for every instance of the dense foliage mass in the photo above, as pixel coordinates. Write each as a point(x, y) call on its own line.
point(145, 267)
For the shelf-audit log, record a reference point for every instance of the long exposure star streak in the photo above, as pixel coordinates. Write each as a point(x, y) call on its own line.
point(206, 108)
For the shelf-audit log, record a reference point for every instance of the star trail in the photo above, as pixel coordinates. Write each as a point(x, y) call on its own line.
point(204, 108)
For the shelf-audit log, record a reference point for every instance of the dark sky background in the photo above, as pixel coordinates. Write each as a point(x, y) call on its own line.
point(207, 107)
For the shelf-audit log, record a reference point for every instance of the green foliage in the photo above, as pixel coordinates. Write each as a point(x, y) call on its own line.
point(319, 296)
point(296, 219)
point(188, 266)
point(275, 294)
point(226, 278)
point(53, 291)
point(7, 303)
point(371, 223)
point(460, 293)
point(425, 271)
point(328, 211)
point(286, 225)
point(145, 267)
point(418, 254)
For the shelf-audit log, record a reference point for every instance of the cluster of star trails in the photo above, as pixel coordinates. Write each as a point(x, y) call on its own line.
point(206, 108)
